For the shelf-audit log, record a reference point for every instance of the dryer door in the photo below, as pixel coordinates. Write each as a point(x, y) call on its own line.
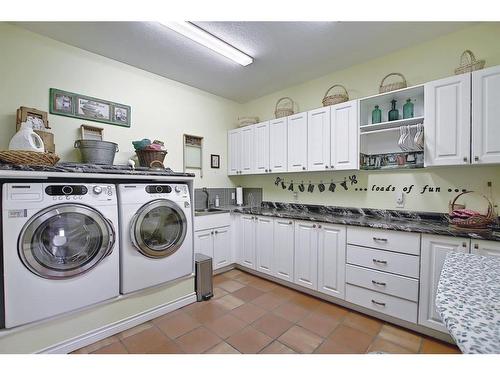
point(158, 228)
point(65, 240)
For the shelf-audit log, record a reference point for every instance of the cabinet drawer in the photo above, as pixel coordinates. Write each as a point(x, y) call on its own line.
point(401, 264)
point(400, 242)
point(393, 306)
point(398, 286)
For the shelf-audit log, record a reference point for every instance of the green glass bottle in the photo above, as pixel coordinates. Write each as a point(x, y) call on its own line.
point(376, 115)
point(408, 109)
point(393, 113)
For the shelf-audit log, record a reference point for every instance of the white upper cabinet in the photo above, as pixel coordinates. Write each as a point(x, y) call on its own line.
point(297, 142)
point(344, 142)
point(447, 121)
point(486, 116)
point(234, 152)
point(278, 154)
point(264, 244)
point(261, 143)
point(283, 249)
point(306, 254)
point(247, 150)
point(318, 139)
point(486, 248)
point(331, 260)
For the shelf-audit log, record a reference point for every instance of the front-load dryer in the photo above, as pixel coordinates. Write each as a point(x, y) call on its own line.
point(60, 248)
point(156, 225)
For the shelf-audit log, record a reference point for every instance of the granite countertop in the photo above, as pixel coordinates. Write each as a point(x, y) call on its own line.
point(419, 222)
point(468, 300)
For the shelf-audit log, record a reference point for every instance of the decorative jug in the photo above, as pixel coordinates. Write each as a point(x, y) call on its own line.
point(26, 139)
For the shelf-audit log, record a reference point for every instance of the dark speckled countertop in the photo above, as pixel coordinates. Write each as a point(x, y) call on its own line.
point(407, 221)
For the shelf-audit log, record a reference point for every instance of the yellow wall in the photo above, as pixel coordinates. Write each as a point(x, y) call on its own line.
point(421, 63)
point(162, 109)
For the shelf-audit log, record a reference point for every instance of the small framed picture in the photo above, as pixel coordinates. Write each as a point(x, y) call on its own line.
point(121, 115)
point(214, 161)
point(93, 109)
point(63, 103)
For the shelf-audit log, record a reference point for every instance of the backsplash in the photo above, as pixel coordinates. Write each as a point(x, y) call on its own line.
point(226, 196)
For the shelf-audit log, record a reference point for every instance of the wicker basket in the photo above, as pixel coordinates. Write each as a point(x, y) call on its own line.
point(245, 121)
point(468, 63)
point(284, 107)
point(392, 86)
point(474, 222)
point(335, 98)
point(28, 157)
point(150, 158)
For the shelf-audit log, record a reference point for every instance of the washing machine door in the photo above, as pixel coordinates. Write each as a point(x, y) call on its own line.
point(65, 240)
point(159, 228)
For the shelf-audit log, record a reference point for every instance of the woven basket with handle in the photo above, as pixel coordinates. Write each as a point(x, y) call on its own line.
point(473, 222)
point(468, 63)
point(392, 86)
point(331, 99)
point(284, 107)
point(28, 157)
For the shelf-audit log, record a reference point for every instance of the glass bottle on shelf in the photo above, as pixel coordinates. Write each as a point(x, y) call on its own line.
point(408, 109)
point(376, 115)
point(393, 113)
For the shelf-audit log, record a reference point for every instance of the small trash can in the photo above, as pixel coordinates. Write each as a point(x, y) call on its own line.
point(203, 280)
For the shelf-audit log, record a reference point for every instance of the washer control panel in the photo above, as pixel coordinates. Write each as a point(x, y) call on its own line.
point(66, 190)
point(158, 189)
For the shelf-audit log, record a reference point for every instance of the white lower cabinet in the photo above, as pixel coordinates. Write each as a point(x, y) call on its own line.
point(264, 233)
point(247, 242)
point(306, 254)
point(215, 243)
point(433, 254)
point(486, 248)
point(203, 242)
point(284, 249)
point(331, 260)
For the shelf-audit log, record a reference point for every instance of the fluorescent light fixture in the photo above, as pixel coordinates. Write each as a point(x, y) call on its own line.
point(200, 36)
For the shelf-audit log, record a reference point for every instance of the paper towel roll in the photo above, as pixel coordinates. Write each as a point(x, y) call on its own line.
point(239, 196)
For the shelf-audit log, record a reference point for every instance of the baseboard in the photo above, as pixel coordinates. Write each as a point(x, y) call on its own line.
point(117, 327)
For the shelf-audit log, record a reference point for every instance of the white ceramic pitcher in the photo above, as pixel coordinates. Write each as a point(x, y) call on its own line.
point(26, 139)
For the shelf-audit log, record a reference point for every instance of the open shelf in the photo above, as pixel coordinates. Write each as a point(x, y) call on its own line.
point(392, 160)
point(367, 129)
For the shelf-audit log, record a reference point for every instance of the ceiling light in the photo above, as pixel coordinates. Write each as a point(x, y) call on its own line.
point(200, 36)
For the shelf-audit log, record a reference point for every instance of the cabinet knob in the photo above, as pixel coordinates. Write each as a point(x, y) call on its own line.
point(270, 170)
point(326, 166)
point(266, 170)
point(379, 239)
point(465, 159)
point(314, 225)
point(303, 168)
point(216, 232)
point(476, 246)
point(319, 226)
point(290, 222)
point(378, 283)
point(379, 261)
point(212, 232)
point(331, 166)
point(476, 158)
point(464, 244)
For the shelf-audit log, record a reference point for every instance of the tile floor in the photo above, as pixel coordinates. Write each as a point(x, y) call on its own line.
point(252, 315)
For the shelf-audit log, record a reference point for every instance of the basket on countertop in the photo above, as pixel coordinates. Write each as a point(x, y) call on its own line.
point(28, 157)
point(472, 222)
point(335, 98)
point(284, 107)
point(245, 121)
point(468, 63)
point(392, 86)
point(151, 158)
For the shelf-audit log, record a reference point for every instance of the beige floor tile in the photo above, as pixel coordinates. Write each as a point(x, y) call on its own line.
point(233, 273)
point(330, 346)
point(284, 292)
point(291, 311)
point(229, 302)
point(198, 341)
point(300, 340)
point(249, 340)
point(320, 324)
point(263, 285)
point(167, 347)
point(115, 348)
point(97, 345)
point(135, 330)
point(144, 341)
point(230, 285)
point(431, 346)
point(363, 323)
point(218, 279)
point(219, 292)
point(332, 310)
point(226, 325)
point(177, 325)
point(357, 340)
point(167, 316)
point(248, 312)
point(246, 278)
point(401, 337)
point(381, 345)
point(272, 325)
point(222, 348)
point(247, 293)
point(277, 347)
point(305, 301)
point(207, 311)
point(269, 301)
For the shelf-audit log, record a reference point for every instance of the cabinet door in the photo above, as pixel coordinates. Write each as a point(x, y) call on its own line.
point(447, 121)
point(344, 153)
point(264, 244)
point(433, 254)
point(306, 254)
point(283, 249)
point(234, 152)
point(261, 143)
point(318, 139)
point(486, 248)
point(486, 116)
point(297, 142)
point(278, 145)
point(247, 150)
point(247, 241)
point(331, 260)
point(203, 242)
point(222, 247)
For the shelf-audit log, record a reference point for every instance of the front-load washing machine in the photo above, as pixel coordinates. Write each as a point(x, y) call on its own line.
point(60, 250)
point(156, 224)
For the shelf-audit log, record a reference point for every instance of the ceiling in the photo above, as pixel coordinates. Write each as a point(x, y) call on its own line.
point(285, 53)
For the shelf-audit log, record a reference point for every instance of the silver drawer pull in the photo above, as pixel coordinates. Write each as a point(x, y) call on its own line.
point(378, 283)
point(379, 239)
point(379, 261)
point(378, 303)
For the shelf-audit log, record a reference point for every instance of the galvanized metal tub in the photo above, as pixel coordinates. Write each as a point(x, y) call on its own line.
point(97, 152)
